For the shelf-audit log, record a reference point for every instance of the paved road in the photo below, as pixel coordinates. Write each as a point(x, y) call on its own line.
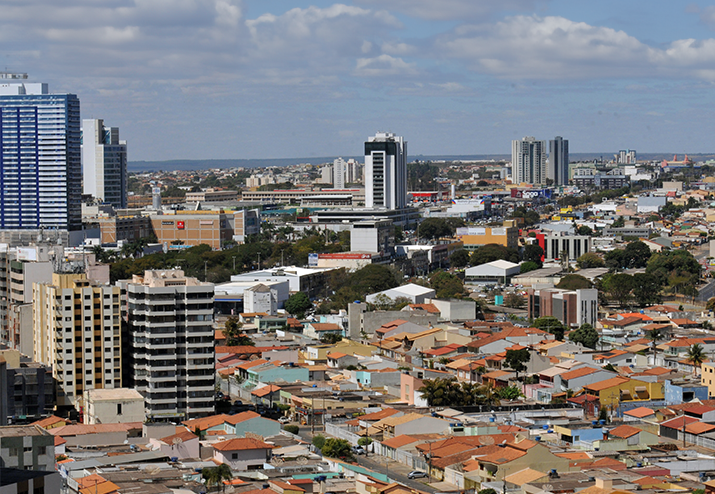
point(395, 471)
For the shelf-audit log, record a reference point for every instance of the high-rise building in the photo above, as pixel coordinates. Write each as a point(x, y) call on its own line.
point(354, 170)
point(340, 173)
point(77, 329)
point(558, 169)
point(40, 158)
point(169, 327)
point(528, 161)
point(627, 157)
point(104, 163)
point(385, 171)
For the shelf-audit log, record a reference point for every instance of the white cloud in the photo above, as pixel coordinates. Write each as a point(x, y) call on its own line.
point(384, 65)
point(454, 9)
point(532, 47)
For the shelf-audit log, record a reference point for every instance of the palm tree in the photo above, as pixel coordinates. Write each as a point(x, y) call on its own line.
point(696, 356)
point(654, 335)
point(488, 395)
point(216, 476)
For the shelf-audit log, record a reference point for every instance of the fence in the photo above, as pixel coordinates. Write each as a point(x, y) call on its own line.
point(341, 433)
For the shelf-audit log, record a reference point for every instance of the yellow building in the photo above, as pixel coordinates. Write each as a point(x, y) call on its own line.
point(315, 354)
point(617, 390)
point(707, 377)
point(76, 327)
point(472, 237)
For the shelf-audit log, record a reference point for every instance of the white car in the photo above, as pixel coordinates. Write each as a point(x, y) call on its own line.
point(284, 420)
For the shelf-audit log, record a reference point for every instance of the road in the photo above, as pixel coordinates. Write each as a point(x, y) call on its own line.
point(379, 464)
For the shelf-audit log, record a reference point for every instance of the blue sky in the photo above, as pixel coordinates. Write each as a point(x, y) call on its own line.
point(198, 79)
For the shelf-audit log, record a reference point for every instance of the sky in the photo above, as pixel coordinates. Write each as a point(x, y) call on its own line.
point(222, 79)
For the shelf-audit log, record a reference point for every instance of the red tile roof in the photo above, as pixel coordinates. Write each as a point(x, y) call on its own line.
point(241, 443)
point(625, 431)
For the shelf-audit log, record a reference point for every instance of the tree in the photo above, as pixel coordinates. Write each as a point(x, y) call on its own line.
point(487, 491)
point(528, 266)
point(584, 230)
point(293, 429)
point(619, 286)
point(530, 216)
point(514, 301)
point(331, 338)
point(574, 282)
point(654, 335)
point(216, 475)
point(516, 359)
point(590, 260)
point(533, 253)
point(696, 356)
point(637, 254)
point(432, 228)
point(646, 289)
point(586, 335)
point(493, 252)
point(337, 448)
point(233, 334)
point(676, 268)
point(510, 393)
point(297, 304)
point(438, 392)
point(319, 441)
point(364, 441)
point(551, 325)
point(619, 223)
point(710, 304)
point(459, 258)
point(447, 285)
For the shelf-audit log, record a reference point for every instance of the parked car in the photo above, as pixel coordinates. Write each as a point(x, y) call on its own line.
point(284, 420)
point(358, 450)
point(417, 474)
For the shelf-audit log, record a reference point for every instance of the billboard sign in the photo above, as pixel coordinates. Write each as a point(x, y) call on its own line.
point(313, 260)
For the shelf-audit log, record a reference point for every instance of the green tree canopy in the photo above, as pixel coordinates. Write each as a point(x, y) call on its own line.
point(432, 228)
point(533, 253)
point(530, 216)
point(493, 252)
point(619, 287)
point(696, 356)
point(234, 335)
point(574, 282)
point(675, 268)
point(590, 260)
point(297, 304)
point(528, 266)
point(551, 325)
point(447, 285)
point(646, 289)
point(337, 448)
point(459, 258)
point(516, 359)
point(586, 335)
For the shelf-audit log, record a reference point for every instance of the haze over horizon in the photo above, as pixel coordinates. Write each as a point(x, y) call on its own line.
point(233, 79)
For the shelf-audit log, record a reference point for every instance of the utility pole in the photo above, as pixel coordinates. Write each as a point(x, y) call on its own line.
point(282, 263)
point(206, 263)
point(234, 263)
point(259, 261)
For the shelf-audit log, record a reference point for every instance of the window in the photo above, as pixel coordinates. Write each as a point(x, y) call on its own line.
point(42, 450)
point(234, 456)
point(119, 408)
point(14, 452)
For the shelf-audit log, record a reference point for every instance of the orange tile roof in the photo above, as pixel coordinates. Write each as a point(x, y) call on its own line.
point(90, 481)
point(640, 412)
point(183, 436)
point(625, 431)
point(431, 308)
point(389, 326)
point(101, 488)
point(265, 390)
point(399, 441)
point(205, 423)
point(241, 417)
point(59, 441)
point(576, 455)
point(51, 420)
point(506, 455)
point(252, 363)
point(241, 443)
point(325, 326)
point(286, 486)
point(699, 428)
point(578, 372)
point(679, 422)
point(82, 429)
point(608, 383)
point(336, 355)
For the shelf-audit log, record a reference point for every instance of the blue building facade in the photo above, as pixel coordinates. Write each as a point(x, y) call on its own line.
point(40, 159)
point(677, 392)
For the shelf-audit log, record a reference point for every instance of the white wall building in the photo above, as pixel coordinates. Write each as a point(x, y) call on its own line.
point(260, 298)
point(170, 320)
point(104, 163)
point(113, 406)
point(528, 161)
point(417, 294)
point(385, 171)
point(340, 173)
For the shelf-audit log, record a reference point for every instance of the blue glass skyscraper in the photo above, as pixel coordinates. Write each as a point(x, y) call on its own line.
point(40, 159)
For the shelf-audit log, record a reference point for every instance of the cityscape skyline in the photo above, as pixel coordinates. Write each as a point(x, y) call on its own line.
point(229, 79)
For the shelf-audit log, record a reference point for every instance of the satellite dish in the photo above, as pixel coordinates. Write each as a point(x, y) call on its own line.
point(548, 487)
point(177, 440)
point(302, 460)
point(275, 461)
point(486, 440)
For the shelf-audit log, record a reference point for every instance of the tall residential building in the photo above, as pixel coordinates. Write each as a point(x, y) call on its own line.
point(169, 329)
point(558, 170)
point(40, 159)
point(340, 173)
point(354, 170)
point(627, 157)
point(104, 163)
point(385, 171)
point(77, 329)
point(528, 161)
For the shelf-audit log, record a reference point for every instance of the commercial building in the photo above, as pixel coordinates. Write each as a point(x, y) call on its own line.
point(27, 447)
point(77, 331)
point(212, 195)
point(373, 236)
point(184, 229)
point(385, 171)
point(245, 222)
point(40, 158)
point(528, 161)
point(310, 281)
point(124, 228)
point(104, 163)
point(473, 237)
point(593, 179)
point(113, 406)
point(169, 326)
point(558, 169)
point(626, 157)
point(572, 308)
point(231, 298)
point(561, 244)
point(27, 390)
point(295, 196)
point(499, 271)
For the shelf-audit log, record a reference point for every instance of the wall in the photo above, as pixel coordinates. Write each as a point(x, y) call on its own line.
point(252, 459)
point(107, 411)
point(455, 310)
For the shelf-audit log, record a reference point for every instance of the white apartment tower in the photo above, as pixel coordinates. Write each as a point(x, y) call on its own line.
point(104, 163)
point(340, 173)
point(77, 331)
point(558, 170)
point(385, 171)
point(528, 161)
point(169, 327)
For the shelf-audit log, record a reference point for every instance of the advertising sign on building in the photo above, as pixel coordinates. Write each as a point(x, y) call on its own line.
point(313, 260)
point(180, 225)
